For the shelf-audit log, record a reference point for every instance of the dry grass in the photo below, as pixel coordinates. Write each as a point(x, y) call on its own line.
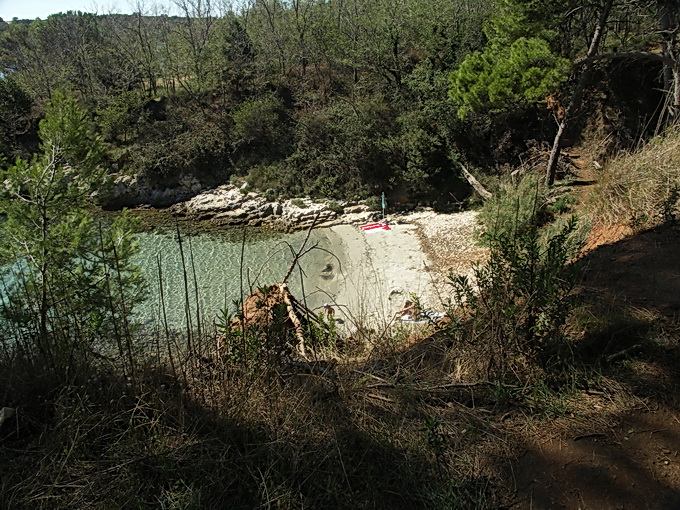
point(639, 189)
point(375, 431)
point(391, 424)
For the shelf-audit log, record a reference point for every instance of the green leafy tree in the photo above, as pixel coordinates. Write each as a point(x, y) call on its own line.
point(261, 130)
point(15, 109)
point(67, 283)
point(528, 54)
point(119, 117)
point(502, 77)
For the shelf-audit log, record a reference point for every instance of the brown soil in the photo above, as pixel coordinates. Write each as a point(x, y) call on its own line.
point(632, 464)
point(618, 453)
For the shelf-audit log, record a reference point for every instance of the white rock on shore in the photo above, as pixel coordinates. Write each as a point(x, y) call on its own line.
point(231, 205)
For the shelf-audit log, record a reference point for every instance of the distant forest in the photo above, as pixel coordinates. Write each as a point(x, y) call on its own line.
point(346, 98)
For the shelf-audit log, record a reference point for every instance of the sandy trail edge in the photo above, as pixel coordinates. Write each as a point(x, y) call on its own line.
point(369, 276)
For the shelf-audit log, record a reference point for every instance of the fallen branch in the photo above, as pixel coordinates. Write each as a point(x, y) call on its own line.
point(623, 353)
point(483, 192)
point(297, 325)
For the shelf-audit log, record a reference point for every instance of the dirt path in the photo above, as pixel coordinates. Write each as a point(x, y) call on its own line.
point(628, 454)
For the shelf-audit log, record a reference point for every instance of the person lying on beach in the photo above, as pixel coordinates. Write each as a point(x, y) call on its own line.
point(408, 311)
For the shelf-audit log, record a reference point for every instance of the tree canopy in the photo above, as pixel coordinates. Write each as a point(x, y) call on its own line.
point(281, 93)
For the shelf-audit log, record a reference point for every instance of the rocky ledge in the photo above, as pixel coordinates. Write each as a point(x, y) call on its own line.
point(233, 205)
point(229, 204)
point(133, 191)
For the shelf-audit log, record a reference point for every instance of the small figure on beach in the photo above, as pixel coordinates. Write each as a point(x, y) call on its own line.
point(330, 312)
point(408, 311)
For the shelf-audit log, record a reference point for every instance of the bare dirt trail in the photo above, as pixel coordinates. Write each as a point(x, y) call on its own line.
point(628, 455)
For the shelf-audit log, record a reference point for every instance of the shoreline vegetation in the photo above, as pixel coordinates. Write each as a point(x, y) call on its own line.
point(545, 376)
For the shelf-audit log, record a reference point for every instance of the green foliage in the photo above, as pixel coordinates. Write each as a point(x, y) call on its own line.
point(13, 98)
point(518, 206)
point(336, 207)
point(374, 203)
point(237, 347)
point(525, 60)
point(522, 296)
point(120, 116)
point(258, 119)
point(502, 77)
point(322, 333)
point(15, 108)
point(517, 19)
point(189, 141)
point(340, 151)
point(66, 131)
point(69, 283)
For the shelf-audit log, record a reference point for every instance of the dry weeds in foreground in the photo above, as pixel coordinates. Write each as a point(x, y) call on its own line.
point(639, 189)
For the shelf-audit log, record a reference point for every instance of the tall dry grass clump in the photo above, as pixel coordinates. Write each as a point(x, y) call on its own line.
point(640, 189)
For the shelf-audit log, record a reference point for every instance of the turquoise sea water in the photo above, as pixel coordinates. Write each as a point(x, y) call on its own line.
point(218, 265)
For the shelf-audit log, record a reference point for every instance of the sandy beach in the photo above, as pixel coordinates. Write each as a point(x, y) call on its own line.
point(371, 275)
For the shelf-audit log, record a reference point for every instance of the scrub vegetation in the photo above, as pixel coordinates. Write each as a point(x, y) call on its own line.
point(559, 339)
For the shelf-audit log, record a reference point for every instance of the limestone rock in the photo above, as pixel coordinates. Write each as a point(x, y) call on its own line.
point(230, 204)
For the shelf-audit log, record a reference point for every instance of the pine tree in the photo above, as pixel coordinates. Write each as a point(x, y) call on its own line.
point(56, 263)
point(520, 63)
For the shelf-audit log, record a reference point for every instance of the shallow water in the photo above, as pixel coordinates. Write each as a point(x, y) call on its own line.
point(226, 269)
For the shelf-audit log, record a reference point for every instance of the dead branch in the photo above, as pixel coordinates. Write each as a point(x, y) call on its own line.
point(297, 325)
point(483, 192)
point(302, 250)
point(623, 353)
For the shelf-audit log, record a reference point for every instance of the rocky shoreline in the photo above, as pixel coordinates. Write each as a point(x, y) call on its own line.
point(230, 204)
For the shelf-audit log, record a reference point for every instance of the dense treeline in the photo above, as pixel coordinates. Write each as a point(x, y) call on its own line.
point(341, 98)
point(311, 97)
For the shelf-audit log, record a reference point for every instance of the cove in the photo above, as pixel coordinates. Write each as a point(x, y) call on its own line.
point(221, 266)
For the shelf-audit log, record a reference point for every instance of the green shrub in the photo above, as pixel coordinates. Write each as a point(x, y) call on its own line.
point(516, 309)
point(514, 208)
point(335, 207)
point(257, 119)
point(119, 117)
point(374, 203)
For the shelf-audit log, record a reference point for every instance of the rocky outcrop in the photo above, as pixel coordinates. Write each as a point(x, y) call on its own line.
point(131, 191)
point(229, 204)
point(233, 205)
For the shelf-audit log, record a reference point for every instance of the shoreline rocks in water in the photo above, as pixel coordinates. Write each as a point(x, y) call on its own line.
point(229, 204)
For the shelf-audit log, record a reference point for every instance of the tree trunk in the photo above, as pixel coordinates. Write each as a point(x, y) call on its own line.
point(667, 13)
point(576, 96)
point(483, 192)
